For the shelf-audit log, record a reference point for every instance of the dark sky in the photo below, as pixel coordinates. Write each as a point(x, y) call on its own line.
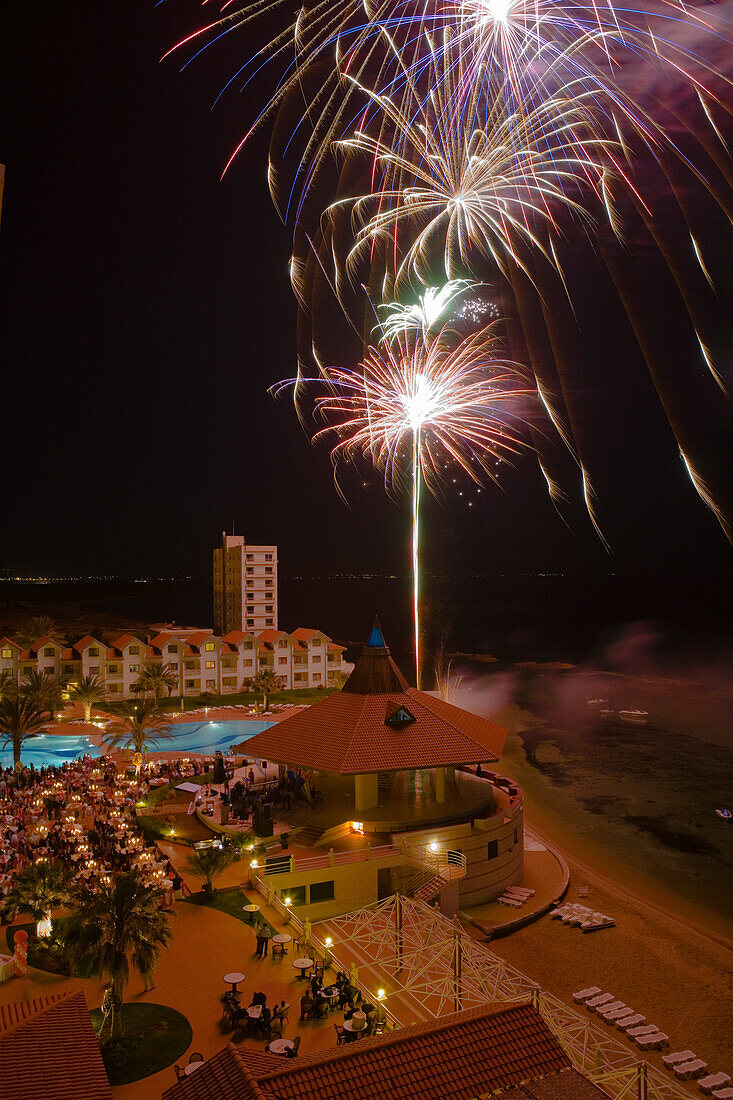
point(146, 307)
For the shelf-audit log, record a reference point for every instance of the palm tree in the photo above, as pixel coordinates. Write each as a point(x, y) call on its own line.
point(88, 691)
point(46, 691)
point(137, 726)
point(8, 685)
point(39, 888)
point(39, 626)
point(267, 682)
point(208, 864)
point(116, 926)
point(156, 678)
point(20, 718)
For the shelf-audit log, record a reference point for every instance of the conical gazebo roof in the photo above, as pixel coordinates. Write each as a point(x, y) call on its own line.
point(378, 723)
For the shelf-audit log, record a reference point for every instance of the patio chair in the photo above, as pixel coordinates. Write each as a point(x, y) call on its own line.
point(293, 1052)
point(179, 1072)
point(379, 1026)
point(195, 1057)
point(322, 1010)
point(278, 949)
point(340, 1034)
point(713, 1081)
point(677, 1057)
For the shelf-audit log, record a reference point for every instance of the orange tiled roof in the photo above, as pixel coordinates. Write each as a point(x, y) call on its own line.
point(457, 1057)
point(346, 733)
point(125, 639)
point(9, 641)
point(87, 640)
point(48, 1050)
point(45, 640)
point(304, 634)
point(332, 647)
point(271, 635)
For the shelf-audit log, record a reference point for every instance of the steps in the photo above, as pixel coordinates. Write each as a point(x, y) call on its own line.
point(430, 890)
point(308, 836)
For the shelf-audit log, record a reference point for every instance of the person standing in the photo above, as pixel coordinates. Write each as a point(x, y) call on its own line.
point(265, 934)
point(258, 933)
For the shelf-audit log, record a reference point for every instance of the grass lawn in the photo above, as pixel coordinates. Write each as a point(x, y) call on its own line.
point(294, 697)
point(153, 1037)
point(231, 902)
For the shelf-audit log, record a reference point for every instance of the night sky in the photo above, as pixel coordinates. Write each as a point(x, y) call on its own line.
point(146, 307)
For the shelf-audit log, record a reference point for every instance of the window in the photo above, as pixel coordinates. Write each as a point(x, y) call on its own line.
point(299, 676)
point(295, 893)
point(268, 582)
point(189, 664)
point(189, 683)
point(268, 557)
point(48, 651)
point(209, 646)
point(268, 608)
point(92, 651)
point(321, 891)
point(209, 664)
point(262, 662)
point(229, 681)
point(48, 670)
point(268, 622)
point(134, 668)
point(316, 676)
point(174, 666)
point(211, 683)
point(316, 642)
point(316, 660)
point(68, 668)
point(248, 644)
point(134, 649)
point(113, 670)
point(247, 662)
point(250, 557)
point(493, 849)
point(250, 570)
point(7, 654)
point(172, 649)
point(250, 611)
point(332, 657)
point(282, 660)
point(250, 622)
point(282, 643)
point(268, 569)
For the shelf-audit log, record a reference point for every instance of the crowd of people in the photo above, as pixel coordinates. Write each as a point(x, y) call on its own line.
point(80, 814)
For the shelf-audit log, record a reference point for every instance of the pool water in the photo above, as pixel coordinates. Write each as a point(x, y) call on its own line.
point(48, 749)
point(205, 737)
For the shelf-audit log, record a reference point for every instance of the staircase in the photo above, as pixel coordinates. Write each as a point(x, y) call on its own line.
point(308, 836)
point(430, 890)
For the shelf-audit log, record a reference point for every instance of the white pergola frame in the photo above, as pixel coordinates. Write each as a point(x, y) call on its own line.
point(431, 962)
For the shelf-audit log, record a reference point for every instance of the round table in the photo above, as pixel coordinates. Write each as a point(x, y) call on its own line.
point(281, 1046)
point(331, 992)
point(192, 1067)
point(354, 1031)
point(302, 966)
point(254, 1012)
point(281, 937)
point(233, 979)
point(251, 909)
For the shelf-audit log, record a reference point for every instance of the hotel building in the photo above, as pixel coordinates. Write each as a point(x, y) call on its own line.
point(245, 585)
point(202, 660)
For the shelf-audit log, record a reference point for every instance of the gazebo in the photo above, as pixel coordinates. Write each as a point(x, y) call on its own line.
point(378, 723)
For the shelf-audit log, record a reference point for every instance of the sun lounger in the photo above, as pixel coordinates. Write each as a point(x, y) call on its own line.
point(584, 994)
point(596, 923)
point(677, 1057)
point(524, 891)
point(723, 1094)
point(630, 1021)
point(713, 1081)
point(655, 1041)
point(647, 1029)
point(612, 1006)
point(513, 903)
point(598, 1002)
point(690, 1069)
point(611, 1015)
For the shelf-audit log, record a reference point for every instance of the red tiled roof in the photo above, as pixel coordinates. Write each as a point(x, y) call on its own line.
point(48, 1051)
point(456, 1057)
point(9, 641)
point(68, 655)
point(304, 634)
point(45, 640)
point(567, 1085)
point(346, 733)
point(271, 635)
point(332, 647)
point(87, 640)
point(125, 639)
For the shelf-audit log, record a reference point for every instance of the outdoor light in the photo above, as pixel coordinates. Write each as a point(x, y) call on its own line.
point(329, 941)
point(433, 845)
point(288, 901)
point(357, 826)
point(380, 994)
point(253, 863)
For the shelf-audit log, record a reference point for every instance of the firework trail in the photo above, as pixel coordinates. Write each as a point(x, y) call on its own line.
point(415, 402)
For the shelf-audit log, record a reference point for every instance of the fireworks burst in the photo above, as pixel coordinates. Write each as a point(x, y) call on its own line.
point(415, 404)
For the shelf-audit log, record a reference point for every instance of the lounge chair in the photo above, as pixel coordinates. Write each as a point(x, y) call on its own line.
point(596, 923)
point(647, 1029)
point(713, 1081)
point(655, 1041)
point(584, 994)
point(598, 1002)
point(608, 1012)
point(677, 1057)
point(686, 1070)
point(723, 1094)
point(610, 1007)
point(619, 1014)
point(627, 1022)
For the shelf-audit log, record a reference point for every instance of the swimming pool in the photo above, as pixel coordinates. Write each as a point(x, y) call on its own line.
point(208, 736)
point(205, 737)
point(49, 749)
